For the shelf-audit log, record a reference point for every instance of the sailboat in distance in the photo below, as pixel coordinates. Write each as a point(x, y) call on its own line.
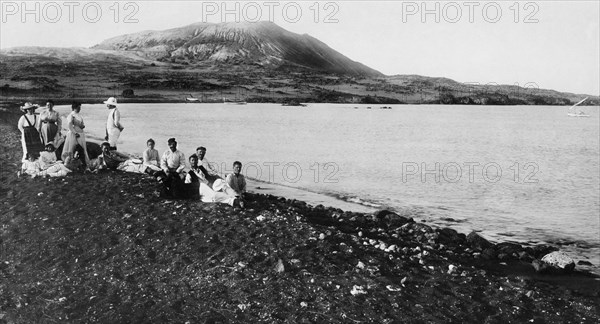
point(574, 111)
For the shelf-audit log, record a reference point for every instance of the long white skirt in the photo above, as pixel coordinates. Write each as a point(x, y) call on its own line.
point(113, 136)
point(71, 142)
point(210, 196)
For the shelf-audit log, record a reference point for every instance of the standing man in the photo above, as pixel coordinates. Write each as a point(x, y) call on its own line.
point(113, 123)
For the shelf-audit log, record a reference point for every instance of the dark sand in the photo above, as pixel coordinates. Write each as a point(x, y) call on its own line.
point(107, 248)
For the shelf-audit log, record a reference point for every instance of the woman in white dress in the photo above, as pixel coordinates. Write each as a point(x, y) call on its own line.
point(75, 135)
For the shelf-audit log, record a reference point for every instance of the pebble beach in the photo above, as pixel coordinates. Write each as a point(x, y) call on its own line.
point(108, 248)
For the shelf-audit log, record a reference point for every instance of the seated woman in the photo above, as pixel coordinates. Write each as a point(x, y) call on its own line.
point(48, 157)
point(151, 158)
point(30, 166)
point(220, 192)
point(49, 164)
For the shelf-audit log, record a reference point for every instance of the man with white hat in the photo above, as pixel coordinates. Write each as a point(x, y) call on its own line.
point(113, 123)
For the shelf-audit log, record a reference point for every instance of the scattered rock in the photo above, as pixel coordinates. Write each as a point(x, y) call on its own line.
point(391, 219)
point(489, 254)
point(540, 250)
point(418, 227)
point(524, 256)
point(451, 268)
point(559, 261)
point(280, 268)
point(508, 248)
point(393, 288)
point(478, 242)
point(380, 214)
point(449, 236)
point(358, 290)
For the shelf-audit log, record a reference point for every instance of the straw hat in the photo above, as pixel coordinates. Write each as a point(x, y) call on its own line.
point(29, 105)
point(111, 101)
point(218, 185)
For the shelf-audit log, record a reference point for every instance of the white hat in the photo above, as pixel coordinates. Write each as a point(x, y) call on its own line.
point(111, 101)
point(218, 184)
point(29, 105)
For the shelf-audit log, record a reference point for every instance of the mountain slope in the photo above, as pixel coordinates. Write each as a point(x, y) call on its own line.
point(263, 43)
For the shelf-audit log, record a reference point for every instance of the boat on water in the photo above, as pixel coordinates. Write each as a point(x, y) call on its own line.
point(233, 102)
point(191, 99)
point(293, 102)
point(575, 111)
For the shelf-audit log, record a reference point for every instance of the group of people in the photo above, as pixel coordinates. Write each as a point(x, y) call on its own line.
point(41, 136)
point(200, 179)
point(39, 130)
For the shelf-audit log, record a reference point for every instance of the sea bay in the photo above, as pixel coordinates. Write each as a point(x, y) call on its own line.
point(528, 174)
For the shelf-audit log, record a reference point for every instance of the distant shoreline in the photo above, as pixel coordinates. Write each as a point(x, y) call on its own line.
point(16, 101)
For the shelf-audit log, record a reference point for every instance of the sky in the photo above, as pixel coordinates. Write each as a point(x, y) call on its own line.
point(545, 44)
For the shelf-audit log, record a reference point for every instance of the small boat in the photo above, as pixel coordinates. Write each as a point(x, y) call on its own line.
point(191, 99)
point(293, 102)
point(233, 102)
point(574, 111)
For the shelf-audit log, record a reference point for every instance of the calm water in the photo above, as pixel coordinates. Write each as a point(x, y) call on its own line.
point(525, 174)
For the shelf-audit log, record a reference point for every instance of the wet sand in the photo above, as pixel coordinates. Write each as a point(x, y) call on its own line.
point(107, 248)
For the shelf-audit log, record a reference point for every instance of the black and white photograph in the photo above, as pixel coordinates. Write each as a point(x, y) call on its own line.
point(299, 161)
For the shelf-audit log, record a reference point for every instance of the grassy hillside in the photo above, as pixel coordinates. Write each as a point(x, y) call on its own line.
point(37, 73)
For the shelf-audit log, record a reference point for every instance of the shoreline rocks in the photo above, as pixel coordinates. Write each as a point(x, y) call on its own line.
point(556, 262)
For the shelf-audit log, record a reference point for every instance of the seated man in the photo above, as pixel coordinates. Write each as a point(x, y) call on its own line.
point(173, 163)
point(220, 192)
point(236, 180)
point(194, 177)
point(203, 162)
